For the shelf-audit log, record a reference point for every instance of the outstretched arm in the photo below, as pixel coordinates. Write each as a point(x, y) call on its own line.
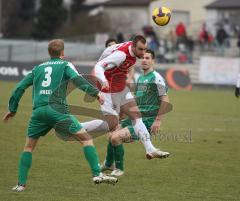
point(17, 95)
point(164, 103)
point(107, 63)
point(81, 83)
point(163, 108)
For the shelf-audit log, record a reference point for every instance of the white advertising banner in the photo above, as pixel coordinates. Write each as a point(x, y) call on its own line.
point(216, 70)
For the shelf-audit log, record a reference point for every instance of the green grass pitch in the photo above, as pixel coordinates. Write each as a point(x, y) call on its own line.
point(202, 133)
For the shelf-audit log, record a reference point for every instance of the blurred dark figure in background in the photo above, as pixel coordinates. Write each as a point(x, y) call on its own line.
point(110, 41)
point(221, 38)
point(190, 49)
point(238, 41)
point(237, 88)
point(120, 38)
point(205, 38)
point(151, 38)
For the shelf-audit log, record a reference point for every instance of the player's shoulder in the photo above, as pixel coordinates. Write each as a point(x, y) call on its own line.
point(70, 65)
point(113, 52)
point(140, 78)
point(124, 46)
point(158, 78)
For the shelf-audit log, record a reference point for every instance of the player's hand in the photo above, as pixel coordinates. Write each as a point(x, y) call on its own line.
point(155, 127)
point(8, 116)
point(105, 85)
point(100, 98)
point(237, 92)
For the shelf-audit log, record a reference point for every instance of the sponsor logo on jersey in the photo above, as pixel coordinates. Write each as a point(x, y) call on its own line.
point(45, 92)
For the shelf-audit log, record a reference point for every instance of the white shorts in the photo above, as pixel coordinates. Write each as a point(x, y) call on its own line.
point(113, 101)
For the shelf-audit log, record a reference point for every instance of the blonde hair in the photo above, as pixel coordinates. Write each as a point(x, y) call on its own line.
point(55, 47)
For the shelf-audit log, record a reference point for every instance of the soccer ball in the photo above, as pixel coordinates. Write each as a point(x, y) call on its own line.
point(161, 16)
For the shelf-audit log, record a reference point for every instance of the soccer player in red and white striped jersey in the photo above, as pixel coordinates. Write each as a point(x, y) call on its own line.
point(112, 69)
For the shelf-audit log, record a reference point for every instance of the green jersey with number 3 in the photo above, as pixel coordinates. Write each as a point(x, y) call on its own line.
point(50, 79)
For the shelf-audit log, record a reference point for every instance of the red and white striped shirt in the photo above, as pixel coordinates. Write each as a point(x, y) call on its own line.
point(114, 64)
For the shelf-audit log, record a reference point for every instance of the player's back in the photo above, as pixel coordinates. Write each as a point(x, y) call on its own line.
point(116, 61)
point(116, 47)
point(49, 79)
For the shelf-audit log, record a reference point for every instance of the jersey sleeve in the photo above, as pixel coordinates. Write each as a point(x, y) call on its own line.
point(79, 81)
point(162, 88)
point(19, 91)
point(71, 71)
point(115, 59)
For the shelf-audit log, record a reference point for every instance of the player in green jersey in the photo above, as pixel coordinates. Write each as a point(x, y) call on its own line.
point(50, 110)
point(152, 100)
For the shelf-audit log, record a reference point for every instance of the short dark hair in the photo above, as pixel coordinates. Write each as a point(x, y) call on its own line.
point(139, 38)
point(55, 47)
point(109, 41)
point(151, 52)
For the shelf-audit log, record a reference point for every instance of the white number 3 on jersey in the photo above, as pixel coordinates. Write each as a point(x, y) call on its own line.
point(48, 72)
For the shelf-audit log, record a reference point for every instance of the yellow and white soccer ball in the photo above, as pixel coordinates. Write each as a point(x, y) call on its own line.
point(161, 16)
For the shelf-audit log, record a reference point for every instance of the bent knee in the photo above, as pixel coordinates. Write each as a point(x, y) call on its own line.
point(113, 125)
point(115, 139)
point(120, 136)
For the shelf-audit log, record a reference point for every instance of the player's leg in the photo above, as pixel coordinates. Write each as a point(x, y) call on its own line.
point(96, 125)
point(132, 111)
point(129, 107)
point(113, 123)
point(117, 138)
point(141, 130)
point(36, 128)
point(92, 158)
point(110, 110)
point(99, 125)
point(89, 150)
point(68, 126)
point(157, 153)
point(25, 163)
point(110, 123)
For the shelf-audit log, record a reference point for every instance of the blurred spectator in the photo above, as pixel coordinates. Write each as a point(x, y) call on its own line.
point(161, 51)
point(182, 54)
point(229, 30)
point(120, 37)
point(153, 43)
point(171, 36)
point(110, 41)
point(190, 49)
point(221, 38)
point(180, 32)
point(205, 38)
point(151, 37)
point(238, 41)
point(170, 49)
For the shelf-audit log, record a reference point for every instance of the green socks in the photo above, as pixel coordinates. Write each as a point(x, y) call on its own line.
point(110, 155)
point(25, 163)
point(115, 154)
point(92, 158)
point(119, 156)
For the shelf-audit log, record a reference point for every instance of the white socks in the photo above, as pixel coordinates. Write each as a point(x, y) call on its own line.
point(95, 125)
point(142, 132)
